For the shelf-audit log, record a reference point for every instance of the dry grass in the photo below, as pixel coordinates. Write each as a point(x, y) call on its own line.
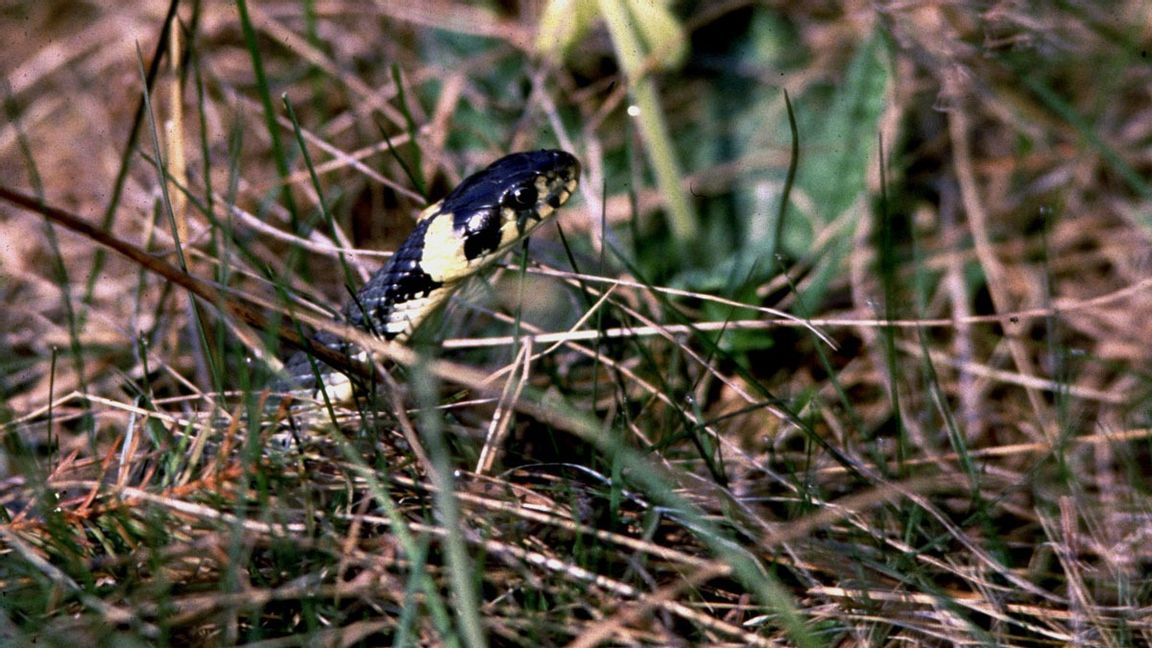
point(667, 459)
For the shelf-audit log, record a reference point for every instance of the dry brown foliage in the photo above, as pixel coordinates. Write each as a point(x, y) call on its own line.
point(968, 464)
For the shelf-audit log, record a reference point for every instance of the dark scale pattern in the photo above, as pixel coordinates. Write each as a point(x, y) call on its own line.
point(397, 281)
point(298, 369)
point(400, 280)
point(482, 234)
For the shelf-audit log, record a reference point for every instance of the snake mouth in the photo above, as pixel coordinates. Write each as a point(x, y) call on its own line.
point(557, 183)
point(565, 181)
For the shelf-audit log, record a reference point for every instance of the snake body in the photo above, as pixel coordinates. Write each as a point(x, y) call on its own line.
point(475, 224)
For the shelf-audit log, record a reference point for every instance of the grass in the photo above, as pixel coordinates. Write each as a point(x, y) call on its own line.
point(858, 363)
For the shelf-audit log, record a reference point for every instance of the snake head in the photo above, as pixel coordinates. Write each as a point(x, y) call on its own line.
point(495, 208)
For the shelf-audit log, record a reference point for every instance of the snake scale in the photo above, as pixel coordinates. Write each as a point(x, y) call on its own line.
point(475, 224)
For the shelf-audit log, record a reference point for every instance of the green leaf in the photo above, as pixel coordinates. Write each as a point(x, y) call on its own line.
point(841, 144)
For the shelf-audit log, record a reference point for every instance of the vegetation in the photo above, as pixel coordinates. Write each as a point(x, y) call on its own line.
point(839, 344)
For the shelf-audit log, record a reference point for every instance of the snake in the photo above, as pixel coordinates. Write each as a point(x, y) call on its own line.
point(489, 212)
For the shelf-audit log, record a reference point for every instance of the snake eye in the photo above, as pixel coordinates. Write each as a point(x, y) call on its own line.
point(522, 197)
